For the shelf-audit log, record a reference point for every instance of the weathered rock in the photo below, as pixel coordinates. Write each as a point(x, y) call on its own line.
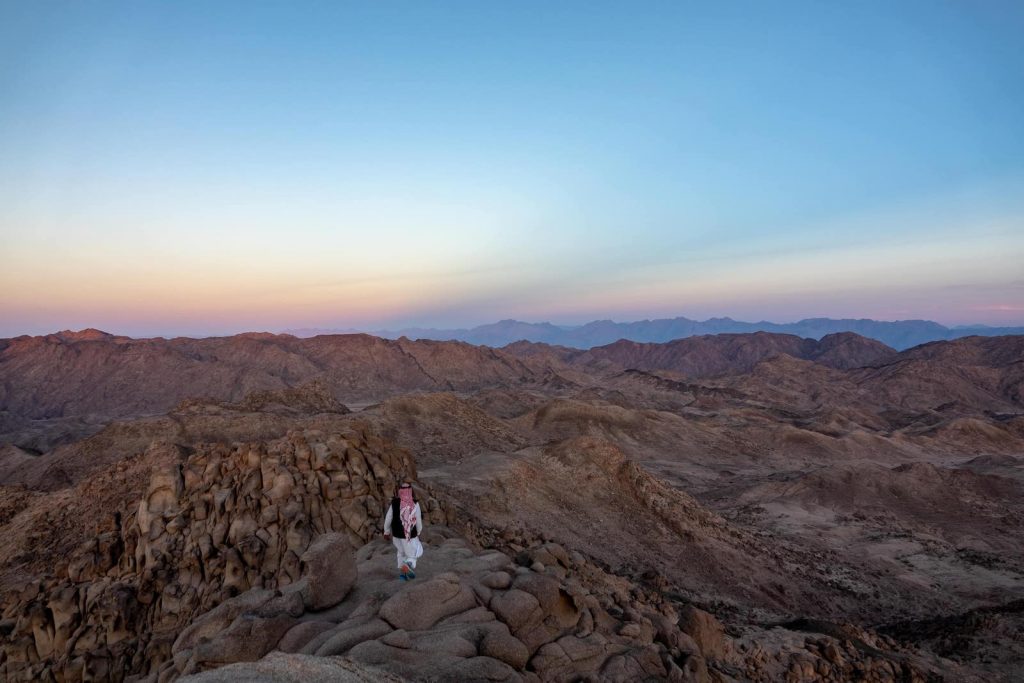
point(422, 605)
point(497, 580)
point(279, 667)
point(637, 665)
point(347, 635)
point(571, 656)
point(329, 571)
point(499, 644)
point(483, 669)
point(706, 631)
point(300, 634)
point(399, 638)
point(218, 619)
point(516, 608)
point(403, 662)
point(457, 639)
point(247, 639)
point(695, 670)
point(544, 588)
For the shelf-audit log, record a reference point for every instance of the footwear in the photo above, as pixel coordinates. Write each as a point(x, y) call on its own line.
point(405, 570)
point(411, 574)
point(402, 577)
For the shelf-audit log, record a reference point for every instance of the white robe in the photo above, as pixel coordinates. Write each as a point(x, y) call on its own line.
point(409, 550)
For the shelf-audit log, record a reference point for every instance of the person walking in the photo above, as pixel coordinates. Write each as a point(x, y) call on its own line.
point(403, 524)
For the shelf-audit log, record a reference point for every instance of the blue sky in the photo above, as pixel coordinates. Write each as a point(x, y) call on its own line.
point(207, 168)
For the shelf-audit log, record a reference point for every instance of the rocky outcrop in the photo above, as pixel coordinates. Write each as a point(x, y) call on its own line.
point(308, 399)
point(261, 531)
point(470, 615)
point(480, 615)
point(810, 651)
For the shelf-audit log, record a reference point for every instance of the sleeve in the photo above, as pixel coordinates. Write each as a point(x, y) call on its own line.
point(387, 521)
point(419, 520)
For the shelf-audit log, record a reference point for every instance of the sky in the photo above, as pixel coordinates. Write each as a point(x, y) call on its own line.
point(208, 168)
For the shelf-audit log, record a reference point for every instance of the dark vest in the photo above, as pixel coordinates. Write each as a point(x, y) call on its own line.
point(396, 521)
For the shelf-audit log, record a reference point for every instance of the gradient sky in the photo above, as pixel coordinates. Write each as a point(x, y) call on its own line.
point(207, 168)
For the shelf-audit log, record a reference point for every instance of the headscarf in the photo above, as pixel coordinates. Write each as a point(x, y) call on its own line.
point(407, 510)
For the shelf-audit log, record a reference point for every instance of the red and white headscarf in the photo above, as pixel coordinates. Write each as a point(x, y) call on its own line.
point(407, 510)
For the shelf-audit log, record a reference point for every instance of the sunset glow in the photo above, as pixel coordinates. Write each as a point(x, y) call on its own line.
point(194, 169)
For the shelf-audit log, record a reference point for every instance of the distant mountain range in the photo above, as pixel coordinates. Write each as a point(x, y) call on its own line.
point(899, 334)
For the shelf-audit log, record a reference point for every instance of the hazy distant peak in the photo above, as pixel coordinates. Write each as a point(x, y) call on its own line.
point(898, 334)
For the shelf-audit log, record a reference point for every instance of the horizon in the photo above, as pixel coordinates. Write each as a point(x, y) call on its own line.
point(195, 170)
point(319, 331)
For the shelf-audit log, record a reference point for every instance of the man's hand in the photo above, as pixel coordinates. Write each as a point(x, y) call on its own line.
point(387, 535)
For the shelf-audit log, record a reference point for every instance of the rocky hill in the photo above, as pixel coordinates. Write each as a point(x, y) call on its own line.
point(707, 356)
point(68, 377)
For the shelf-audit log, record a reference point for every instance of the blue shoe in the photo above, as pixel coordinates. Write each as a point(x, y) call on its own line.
point(411, 575)
point(402, 577)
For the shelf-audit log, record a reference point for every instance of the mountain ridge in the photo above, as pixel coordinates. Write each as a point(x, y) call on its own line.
point(69, 384)
point(899, 334)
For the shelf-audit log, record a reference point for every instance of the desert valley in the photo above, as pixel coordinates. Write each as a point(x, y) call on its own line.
point(731, 507)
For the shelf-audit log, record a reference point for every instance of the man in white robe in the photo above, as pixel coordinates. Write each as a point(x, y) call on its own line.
point(404, 524)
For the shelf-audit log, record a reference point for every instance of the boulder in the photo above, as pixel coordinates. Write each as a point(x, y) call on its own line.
point(571, 657)
point(329, 572)
point(301, 634)
point(247, 639)
point(422, 605)
point(516, 608)
point(544, 588)
point(497, 580)
point(219, 618)
point(483, 669)
point(399, 638)
point(707, 632)
point(348, 635)
point(637, 665)
point(553, 600)
point(498, 643)
point(477, 615)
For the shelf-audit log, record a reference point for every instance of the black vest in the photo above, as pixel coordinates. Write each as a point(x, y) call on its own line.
point(396, 521)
